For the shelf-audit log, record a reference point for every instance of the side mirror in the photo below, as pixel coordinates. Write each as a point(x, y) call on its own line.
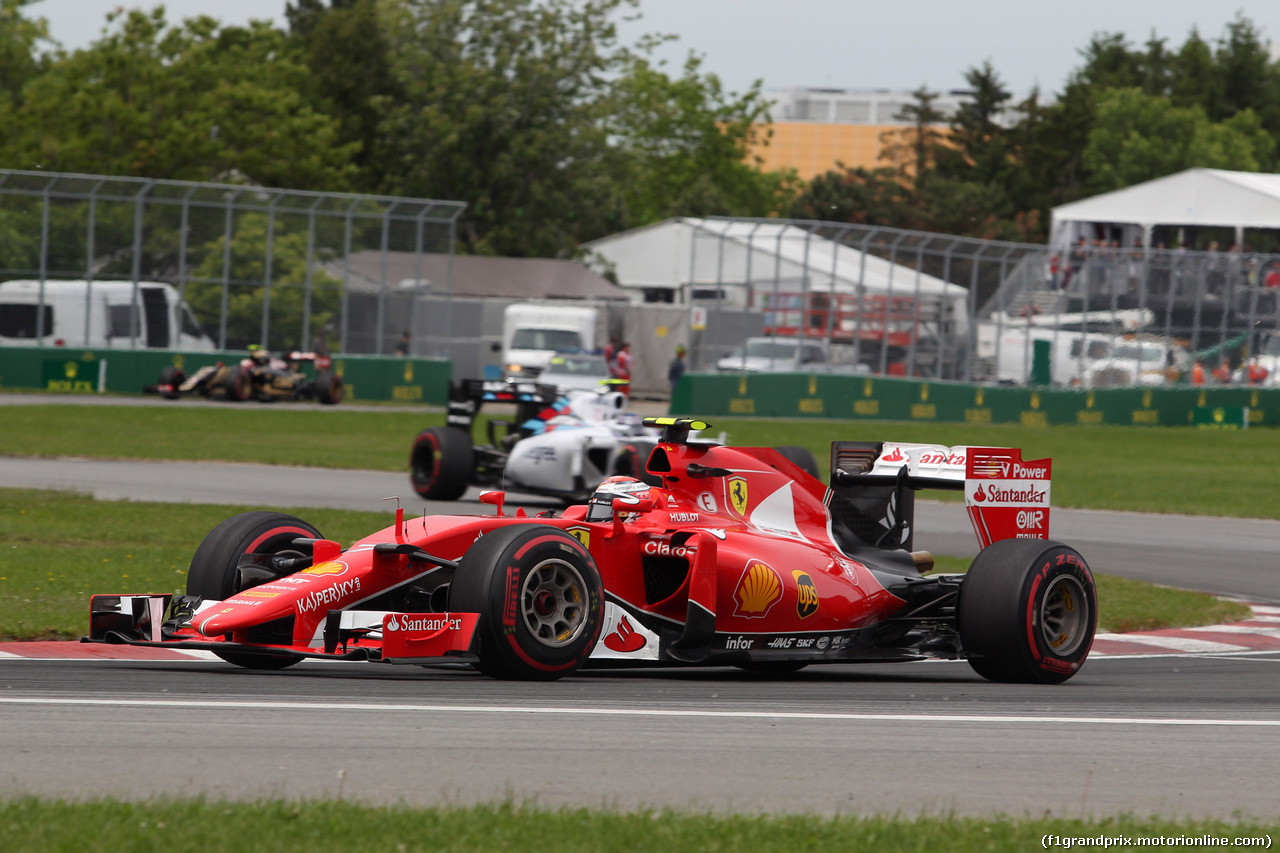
point(624, 505)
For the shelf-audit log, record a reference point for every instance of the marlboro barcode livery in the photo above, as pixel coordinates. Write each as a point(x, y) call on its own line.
point(721, 556)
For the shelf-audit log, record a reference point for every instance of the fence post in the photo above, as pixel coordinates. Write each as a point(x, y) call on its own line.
point(44, 261)
point(305, 343)
point(346, 276)
point(972, 349)
point(88, 258)
point(266, 272)
point(139, 205)
point(226, 268)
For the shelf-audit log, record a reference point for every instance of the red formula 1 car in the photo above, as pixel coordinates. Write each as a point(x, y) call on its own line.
point(740, 558)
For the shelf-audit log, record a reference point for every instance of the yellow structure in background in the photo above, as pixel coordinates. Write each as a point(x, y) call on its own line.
point(814, 131)
point(814, 148)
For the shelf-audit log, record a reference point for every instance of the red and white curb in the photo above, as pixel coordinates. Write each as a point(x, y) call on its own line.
point(1260, 633)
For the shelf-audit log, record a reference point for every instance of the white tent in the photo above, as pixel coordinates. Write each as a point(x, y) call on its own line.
point(1196, 197)
point(683, 260)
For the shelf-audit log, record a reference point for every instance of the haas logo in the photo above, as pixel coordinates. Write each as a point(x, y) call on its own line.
point(625, 638)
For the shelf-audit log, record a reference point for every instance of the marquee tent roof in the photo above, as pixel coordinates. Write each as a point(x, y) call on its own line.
point(686, 251)
point(1205, 197)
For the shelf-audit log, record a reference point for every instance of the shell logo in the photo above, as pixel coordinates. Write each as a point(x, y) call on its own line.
point(331, 568)
point(759, 588)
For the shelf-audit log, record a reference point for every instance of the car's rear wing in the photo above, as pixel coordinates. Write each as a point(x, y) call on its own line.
point(1006, 497)
point(466, 396)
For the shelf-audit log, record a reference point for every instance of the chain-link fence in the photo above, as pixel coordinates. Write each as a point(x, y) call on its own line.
point(103, 261)
point(895, 302)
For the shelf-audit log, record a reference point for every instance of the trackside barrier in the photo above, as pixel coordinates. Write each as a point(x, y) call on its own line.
point(879, 398)
point(402, 380)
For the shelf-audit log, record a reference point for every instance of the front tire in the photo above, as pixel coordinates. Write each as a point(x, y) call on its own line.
point(540, 600)
point(213, 573)
point(441, 463)
point(173, 377)
point(1027, 613)
point(239, 384)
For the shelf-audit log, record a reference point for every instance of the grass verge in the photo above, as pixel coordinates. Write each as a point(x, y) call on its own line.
point(1167, 470)
point(58, 548)
point(199, 826)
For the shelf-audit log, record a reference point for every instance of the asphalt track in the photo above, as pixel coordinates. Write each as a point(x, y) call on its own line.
point(1185, 735)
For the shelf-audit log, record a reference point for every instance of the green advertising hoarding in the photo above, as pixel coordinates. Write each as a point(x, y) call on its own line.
point(852, 397)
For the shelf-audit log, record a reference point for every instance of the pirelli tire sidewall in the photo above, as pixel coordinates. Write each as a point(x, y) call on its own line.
point(490, 579)
point(1009, 590)
point(441, 463)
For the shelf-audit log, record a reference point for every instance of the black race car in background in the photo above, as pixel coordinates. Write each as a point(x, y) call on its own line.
point(261, 377)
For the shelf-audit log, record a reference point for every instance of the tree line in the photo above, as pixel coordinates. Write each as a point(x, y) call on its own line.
point(554, 132)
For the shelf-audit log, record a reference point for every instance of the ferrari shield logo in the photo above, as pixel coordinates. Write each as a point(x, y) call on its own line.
point(738, 494)
point(582, 534)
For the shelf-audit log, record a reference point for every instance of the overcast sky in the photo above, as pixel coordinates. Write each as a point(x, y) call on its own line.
point(898, 44)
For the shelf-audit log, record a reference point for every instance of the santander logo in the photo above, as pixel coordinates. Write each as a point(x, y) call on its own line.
point(625, 638)
point(979, 495)
point(895, 456)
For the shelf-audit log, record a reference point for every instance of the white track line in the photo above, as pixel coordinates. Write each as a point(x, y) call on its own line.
point(633, 712)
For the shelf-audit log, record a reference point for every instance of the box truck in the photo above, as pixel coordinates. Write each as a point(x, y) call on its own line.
point(533, 332)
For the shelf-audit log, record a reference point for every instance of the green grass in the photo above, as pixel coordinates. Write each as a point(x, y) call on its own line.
point(58, 548)
point(199, 826)
point(1167, 470)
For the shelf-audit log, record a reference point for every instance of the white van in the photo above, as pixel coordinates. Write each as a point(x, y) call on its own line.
point(533, 332)
point(1090, 360)
point(98, 315)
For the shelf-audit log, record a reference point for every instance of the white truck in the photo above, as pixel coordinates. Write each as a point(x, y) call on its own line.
point(533, 332)
point(98, 315)
point(1077, 359)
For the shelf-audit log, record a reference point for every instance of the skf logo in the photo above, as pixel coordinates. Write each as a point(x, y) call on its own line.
point(759, 588)
point(738, 494)
point(326, 569)
point(582, 534)
point(806, 595)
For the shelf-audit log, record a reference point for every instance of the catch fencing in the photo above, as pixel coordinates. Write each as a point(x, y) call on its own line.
point(257, 265)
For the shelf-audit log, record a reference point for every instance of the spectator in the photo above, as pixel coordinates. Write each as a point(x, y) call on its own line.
point(611, 355)
point(1197, 373)
point(320, 346)
point(1222, 372)
point(1272, 278)
point(1075, 260)
point(1257, 373)
point(623, 368)
point(402, 348)
point(676, 370)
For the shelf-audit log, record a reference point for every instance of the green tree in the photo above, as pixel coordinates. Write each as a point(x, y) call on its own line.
point(246, 293)
point(876, 197)
point(195, 101)
point(502, 106)
point(682, 144)
point(19, 59)
point(914, 149)
point(348, 69)
point(1138, 137)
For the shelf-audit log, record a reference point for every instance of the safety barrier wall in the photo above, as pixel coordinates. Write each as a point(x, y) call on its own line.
point(404, 380)
point(878, 398)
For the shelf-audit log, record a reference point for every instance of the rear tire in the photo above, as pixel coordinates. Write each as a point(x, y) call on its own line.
point(441, 463)
point(1027, 612)
point(631, 460)
point(173, 377)
point(802, 457)
point(328, 388)
point(213, 574)
point(540, 600)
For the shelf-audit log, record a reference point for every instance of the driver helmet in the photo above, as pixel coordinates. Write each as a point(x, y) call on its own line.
point(259, 355)
point(600, 506)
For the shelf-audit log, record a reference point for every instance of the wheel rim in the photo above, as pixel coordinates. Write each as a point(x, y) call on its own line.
point(1064, 615)
point(553, 602)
